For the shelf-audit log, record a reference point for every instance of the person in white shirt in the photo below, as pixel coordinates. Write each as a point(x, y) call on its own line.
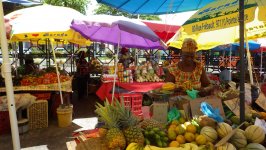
point(225, 75)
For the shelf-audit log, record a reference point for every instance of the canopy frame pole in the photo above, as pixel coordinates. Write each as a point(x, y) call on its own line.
point(6, 73)
point(242, 62)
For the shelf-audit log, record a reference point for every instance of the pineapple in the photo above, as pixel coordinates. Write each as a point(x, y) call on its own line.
point(150, 123)
point(114, 137)
point(128, 123)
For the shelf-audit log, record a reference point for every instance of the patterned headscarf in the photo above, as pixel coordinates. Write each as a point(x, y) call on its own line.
point(189, 45)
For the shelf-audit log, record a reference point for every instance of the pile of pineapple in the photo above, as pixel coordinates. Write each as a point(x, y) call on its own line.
point(122, 127)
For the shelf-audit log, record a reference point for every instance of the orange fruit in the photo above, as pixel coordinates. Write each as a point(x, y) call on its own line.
point(174, 144)
point(180, 139)
point(201, 140)
point(190, 137)
point(191, 128)
point(180, 129)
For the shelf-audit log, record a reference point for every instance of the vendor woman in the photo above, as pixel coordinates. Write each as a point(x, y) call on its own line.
point(189, 70)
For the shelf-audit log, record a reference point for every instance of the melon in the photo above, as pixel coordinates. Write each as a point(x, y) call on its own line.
point(238, 139)
point(223, 129)
point(226, 146)
point(255, 146)
point(209, 133)
point(254, 134)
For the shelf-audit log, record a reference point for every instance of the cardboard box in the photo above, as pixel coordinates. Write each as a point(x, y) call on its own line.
point(261, 101)
point(160, 111)
point(177, 101)
point(234, 106)
point(214, 101)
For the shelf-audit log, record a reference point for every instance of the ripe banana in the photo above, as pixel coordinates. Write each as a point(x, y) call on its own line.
point(150, 147)
point(134, 146)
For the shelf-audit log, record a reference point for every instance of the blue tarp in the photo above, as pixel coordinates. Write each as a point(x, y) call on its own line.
point(156, 7)
point(235, 46)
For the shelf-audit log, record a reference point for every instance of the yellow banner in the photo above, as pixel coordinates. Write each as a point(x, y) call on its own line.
point(69, 36)
point(221, 22)
point(262, 13)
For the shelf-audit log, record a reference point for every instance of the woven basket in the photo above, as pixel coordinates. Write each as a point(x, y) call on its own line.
point(38, 114)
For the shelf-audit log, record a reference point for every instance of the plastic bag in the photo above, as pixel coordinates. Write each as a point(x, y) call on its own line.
point(192, 93)
point(173, 114)
point(210, 112)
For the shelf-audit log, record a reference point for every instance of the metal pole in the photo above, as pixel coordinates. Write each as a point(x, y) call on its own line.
point(6, 73)
point(242, 63)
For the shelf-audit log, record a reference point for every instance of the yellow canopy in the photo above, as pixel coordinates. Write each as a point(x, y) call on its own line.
point(44, 22)
point(217, 24)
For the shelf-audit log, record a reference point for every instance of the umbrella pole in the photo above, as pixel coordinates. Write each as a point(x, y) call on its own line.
point(261, 62)
point(242, 63)
point(6, 73)
point(249, 60)
point(57, 73)
point(116, 62)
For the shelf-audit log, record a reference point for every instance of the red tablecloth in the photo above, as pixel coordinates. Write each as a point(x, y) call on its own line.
point(105, 89)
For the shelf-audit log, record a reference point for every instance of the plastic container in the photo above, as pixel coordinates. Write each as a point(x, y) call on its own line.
point(23, 126)
point(64, 115)
point(133, 101)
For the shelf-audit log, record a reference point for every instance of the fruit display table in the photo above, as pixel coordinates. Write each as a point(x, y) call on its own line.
point(65, 87)
point(105, 90)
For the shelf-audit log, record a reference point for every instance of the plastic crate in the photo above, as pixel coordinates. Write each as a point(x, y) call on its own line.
point(4, 122)
point(38, 114)
point(133, 101)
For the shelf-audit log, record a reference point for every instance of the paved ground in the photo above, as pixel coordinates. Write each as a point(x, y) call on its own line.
point(54, 137)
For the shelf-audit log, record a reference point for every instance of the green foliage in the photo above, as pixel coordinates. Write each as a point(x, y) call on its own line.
point(104, 9)
point(79, 5)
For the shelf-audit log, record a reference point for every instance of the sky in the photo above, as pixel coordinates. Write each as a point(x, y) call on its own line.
point(174, 19)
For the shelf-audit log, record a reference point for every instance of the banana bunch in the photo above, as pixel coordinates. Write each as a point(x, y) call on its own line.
point(187, 146)
point(168, 86)
point(134, 146)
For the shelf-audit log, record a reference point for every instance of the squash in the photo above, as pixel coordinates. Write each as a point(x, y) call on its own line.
point(255, 146)
point(223, 129)
point(226, 146)
point(238, 139)
point(209, 133)
point(254, 134)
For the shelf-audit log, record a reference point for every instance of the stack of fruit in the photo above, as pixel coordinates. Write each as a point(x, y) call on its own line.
point(122, 127)
point(146, 73)
point(206, 136)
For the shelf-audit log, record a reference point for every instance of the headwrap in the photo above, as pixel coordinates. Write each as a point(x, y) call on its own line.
point(189, 45)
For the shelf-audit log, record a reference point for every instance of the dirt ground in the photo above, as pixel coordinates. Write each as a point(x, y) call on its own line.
point(54, 137)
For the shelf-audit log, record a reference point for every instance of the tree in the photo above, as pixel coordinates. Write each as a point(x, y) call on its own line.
point(103, 9)
point(79, 5)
